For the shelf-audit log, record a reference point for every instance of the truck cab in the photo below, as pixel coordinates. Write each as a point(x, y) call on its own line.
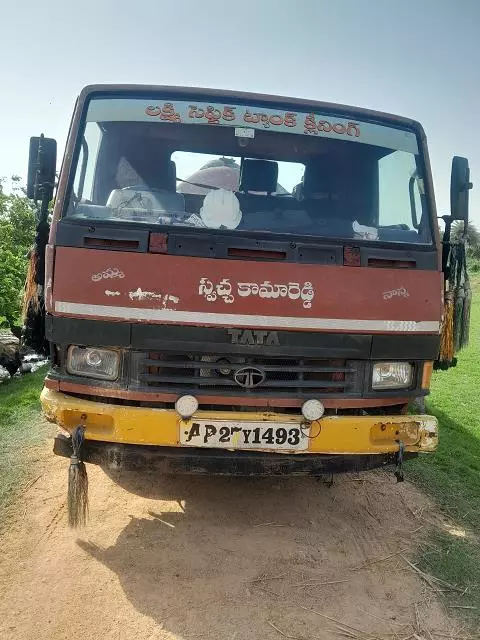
point(241, 284)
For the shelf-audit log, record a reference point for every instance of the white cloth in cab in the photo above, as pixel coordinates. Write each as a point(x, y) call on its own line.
point(364, 232)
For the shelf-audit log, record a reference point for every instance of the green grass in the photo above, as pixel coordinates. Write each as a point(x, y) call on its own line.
point(452, 475)
point(21, 427)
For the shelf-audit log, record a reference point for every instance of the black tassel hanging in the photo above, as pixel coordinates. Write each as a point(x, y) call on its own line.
point(77, 482)
point(458, 317)
point(467, 302)
point(463, 298)
point(447, 342)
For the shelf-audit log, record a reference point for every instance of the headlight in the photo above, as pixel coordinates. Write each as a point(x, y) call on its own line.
point(392, 375)
point(91, 362)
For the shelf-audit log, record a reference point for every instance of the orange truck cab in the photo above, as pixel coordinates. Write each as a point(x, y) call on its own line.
point(240, 283)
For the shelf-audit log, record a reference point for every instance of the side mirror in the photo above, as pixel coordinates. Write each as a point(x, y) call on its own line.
point(42, 163)
point(459, 187)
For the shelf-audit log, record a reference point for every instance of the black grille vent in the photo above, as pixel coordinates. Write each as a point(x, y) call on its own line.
point(209, 373)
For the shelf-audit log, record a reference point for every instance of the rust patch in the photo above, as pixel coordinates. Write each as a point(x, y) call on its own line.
point(329, 403)
point(387, 432)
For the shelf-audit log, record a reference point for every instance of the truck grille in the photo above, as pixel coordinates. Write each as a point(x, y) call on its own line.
point(209, 373)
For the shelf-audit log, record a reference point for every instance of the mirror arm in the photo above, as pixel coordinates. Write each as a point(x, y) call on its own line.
point(43, 211)
point(446, 244)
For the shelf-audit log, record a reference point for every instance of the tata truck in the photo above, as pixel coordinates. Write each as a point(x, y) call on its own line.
point(239, 283)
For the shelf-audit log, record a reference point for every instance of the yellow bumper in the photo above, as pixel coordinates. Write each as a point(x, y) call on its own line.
point(161, 427)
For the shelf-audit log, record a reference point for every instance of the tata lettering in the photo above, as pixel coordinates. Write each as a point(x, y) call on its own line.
point(251, 336)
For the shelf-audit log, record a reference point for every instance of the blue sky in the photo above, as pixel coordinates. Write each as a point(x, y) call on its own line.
point(418, 58)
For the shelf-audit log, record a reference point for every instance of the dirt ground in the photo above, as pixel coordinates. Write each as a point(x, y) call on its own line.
point(221, 559)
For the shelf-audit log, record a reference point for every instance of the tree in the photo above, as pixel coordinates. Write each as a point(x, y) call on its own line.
point(17, 230)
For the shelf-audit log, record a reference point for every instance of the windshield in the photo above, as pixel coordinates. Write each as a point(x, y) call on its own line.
point(246, 168)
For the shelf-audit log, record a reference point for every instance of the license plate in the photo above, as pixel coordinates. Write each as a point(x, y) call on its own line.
point(223, 434)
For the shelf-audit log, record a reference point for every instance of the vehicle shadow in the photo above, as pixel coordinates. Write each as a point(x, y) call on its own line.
point(225, 557)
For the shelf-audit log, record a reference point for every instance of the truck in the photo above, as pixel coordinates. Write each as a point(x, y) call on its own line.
point(238, 283)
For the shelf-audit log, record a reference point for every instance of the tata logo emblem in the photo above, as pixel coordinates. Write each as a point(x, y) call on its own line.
point(251, 336)
point(249, 377)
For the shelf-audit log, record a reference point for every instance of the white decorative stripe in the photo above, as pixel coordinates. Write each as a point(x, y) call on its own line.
point(242, 320)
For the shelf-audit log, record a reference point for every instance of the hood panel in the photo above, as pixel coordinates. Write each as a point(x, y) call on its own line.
point(203, 291)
